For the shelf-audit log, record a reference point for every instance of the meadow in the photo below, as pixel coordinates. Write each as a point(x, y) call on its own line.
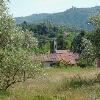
point(73, 83)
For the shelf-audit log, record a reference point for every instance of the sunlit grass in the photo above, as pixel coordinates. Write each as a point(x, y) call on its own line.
point(58, 84)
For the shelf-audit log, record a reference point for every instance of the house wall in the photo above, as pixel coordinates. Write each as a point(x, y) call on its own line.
point(47, 64)
point(98, 62)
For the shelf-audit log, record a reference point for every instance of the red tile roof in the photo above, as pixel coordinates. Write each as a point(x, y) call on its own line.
point(60, 55)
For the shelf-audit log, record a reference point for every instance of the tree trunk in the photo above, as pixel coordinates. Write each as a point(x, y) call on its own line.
point(98, 62)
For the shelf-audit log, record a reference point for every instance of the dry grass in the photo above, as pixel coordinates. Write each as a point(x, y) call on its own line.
point(45, 87)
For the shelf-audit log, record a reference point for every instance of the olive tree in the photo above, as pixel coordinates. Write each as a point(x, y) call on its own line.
point(16, 48)
point(95, 37)
point(87, 56)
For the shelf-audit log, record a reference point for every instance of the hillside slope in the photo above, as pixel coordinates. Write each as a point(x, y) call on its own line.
point(77, 17)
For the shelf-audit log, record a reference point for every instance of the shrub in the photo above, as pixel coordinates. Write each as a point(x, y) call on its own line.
point(62, 64)
point(78, 82)
point(87, 56)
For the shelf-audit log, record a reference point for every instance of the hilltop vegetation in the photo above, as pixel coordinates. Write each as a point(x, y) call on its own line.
point(76, 17)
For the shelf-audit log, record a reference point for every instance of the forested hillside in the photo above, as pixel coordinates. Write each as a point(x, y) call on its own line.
point(76, 17)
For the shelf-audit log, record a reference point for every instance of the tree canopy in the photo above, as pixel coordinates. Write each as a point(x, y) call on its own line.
point(95, 37)
point(16, 47)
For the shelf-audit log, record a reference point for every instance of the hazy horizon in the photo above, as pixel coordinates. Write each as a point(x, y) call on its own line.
point(19, 8)
point(52, 12)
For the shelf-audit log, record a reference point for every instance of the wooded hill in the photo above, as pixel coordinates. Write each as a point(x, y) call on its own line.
point(74, 17)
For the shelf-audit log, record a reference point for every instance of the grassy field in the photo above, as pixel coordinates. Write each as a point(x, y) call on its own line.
point(58, 84)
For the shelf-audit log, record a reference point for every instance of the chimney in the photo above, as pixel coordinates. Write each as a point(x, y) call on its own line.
point(53, 45)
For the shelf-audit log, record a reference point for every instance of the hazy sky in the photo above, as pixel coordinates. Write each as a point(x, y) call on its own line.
point(28, 7)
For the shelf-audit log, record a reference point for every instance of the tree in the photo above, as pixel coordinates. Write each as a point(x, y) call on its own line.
point(83, 46)
point(16, 48)
point(77, 44)
point(95, 37)
point(24, 26)
point(60, 42)
point(87, 56)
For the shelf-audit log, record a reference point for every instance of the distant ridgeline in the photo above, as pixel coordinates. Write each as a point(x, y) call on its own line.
point(74, 17)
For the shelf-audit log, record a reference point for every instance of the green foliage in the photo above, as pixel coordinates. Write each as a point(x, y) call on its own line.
point(45, 31)
point(4, 93)
point(16, 48)
point(78, 82)
point(42, 97)
point(43, 49)
point(75, 17)
point(68, 39)
point(87, 56)
point(95, 37)
point(84, 47)
point(62, 64)
point(95, 20)
point(60, 42)
point(77, 43)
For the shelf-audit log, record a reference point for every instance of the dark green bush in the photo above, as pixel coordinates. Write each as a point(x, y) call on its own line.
point(62, 64)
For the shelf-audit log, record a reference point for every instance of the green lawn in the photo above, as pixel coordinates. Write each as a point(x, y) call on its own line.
point(57, 84)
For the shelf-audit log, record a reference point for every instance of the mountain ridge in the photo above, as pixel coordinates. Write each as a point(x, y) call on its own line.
point(75, 17)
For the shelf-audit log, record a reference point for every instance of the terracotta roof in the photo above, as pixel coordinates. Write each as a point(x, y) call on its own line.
point(64, 55)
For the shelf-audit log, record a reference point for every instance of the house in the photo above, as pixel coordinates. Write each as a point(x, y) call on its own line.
point(56, 55)
point(98, 62)
point(60, 55)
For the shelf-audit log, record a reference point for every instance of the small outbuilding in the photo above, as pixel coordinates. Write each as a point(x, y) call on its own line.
point(56, 55)
point(60, 55)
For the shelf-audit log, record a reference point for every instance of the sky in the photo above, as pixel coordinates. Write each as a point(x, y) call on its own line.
point(19, 8)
